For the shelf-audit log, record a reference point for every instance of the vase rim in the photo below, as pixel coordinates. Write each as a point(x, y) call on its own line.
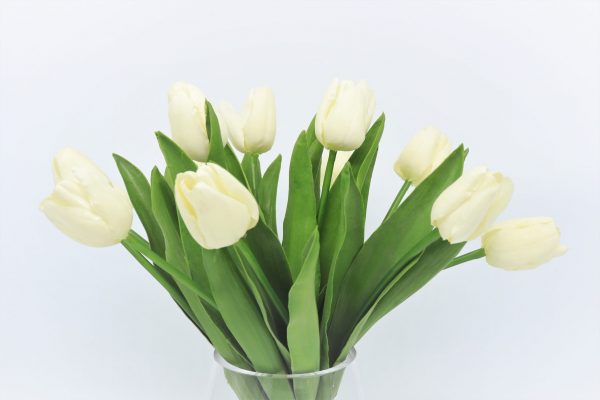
point(230, 367)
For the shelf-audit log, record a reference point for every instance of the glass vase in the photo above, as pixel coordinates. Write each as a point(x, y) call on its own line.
point(229, 382)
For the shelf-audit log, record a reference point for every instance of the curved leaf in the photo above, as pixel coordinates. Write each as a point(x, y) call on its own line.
point(177, 160)
point(138, 190)
point(301, 213)
point(342, 235)
point(267, 193)
point(363, 159)
point(382, 255)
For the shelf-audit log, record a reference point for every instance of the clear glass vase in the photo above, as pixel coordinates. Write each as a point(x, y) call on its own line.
point(229, 382)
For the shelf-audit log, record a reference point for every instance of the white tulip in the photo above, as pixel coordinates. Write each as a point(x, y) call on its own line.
point(522, 243)
point(467, 207)
point(85, 205)
point(341, 159)
point(422, 155)
point(345, 115)
point(253, 130)
point(215, 207)
point(187, 117)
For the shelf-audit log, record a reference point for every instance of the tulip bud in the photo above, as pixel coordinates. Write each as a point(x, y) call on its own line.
point(187, 117)
point(345, 115)
point(467, 207)
point(522, 243)
point(215, 207)
point(341, 159)
point(423, 154)
point(85, 205)
point(253, 130)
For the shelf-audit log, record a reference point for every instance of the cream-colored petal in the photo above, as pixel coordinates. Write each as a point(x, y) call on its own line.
point(235, 125)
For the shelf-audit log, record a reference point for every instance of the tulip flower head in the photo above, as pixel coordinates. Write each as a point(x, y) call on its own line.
point(521, 244)
point(187, 117)
point(216, 208)
point(423, 154)
point(85, 205)
point(466, 208)
point(253, 130)
point(345, 115)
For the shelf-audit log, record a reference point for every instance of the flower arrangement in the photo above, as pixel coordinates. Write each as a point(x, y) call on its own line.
point(299, 304)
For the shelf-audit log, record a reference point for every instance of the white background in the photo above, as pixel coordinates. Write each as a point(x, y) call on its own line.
point(517, 82)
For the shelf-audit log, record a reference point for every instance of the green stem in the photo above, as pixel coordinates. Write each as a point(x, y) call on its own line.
point(327, 181)
point(473, 255)
point(251, 167)
point(244, 252)
point(398, 199)
point(141, 246)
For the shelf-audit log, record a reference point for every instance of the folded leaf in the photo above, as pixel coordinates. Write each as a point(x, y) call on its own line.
point(267, 193)
point(300, 217)
point(342, 235)
point(177, 160)
point(232, 164)
point(243, 318)
point(271, 258)
point(216, 152)
point(435, 259)
point(410, 279)
point(252, 172)
point(194, 260)
point(315, 151)
point(380, 258)
point(274, 320)
point(303, 328)
point(363, 159)
point(138, 190)
point(165, 211)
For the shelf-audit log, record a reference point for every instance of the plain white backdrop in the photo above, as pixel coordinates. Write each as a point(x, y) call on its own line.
point(517, 82)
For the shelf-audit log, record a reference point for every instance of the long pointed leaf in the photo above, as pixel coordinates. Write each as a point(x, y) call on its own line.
point(177, 160)
point(138, 190)
point(342, 235)
point(163, 205)
point(303, 328)
point(300, 217)
point(267, 193)
point(363, 158)
point(270, 256)
point(380, 257)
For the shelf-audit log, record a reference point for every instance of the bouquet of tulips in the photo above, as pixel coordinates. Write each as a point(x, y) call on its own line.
point(298, 300)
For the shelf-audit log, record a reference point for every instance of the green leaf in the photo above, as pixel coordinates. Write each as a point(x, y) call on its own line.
point(267, 193)
point(165, 211)
point(251, 168)
point(300, 217)
point(177, 160)
point(315, 151)
point(303, 328)
point(391, 245)
point(244, 320)
point(271, 258)
point(363, 158)
point(435, 259)
point(272, 316)
point(163, 207)
point(412, 278)
point(342, 235)
point(232, 164)
point(194, 259)
point(138, 190)
point(216, 151)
